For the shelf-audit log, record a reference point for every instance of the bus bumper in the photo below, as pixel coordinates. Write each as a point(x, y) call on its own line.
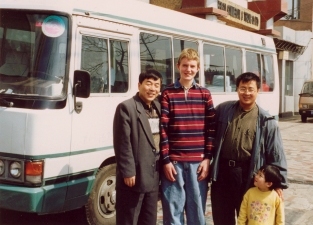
point(52, 198)
point(21, 198)
point(41, 200)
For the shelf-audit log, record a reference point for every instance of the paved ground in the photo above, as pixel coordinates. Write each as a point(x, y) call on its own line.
point(298, 144)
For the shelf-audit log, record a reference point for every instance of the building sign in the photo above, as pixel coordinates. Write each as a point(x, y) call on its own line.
point(239, 16)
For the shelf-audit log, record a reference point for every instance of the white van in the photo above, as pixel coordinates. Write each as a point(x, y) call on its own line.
point(306, 100)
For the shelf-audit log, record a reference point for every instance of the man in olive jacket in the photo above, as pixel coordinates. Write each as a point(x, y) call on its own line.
point(136, 137)
point(247, 137)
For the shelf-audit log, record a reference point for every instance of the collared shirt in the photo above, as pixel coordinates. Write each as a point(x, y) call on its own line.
point(240, 135)
point(187, 123)
point(177, 84)
point(154, 121)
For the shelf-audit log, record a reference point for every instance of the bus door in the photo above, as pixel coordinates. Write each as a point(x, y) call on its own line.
point(106, 57)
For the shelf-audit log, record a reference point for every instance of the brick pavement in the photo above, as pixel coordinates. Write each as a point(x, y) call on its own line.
point(298, 144)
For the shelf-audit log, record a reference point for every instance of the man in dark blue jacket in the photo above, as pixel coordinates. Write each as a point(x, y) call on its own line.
point(247, 137)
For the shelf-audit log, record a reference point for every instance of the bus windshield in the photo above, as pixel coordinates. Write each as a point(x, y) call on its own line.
point(33, 53)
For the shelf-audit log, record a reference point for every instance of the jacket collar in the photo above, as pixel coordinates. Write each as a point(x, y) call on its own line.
point(143, 118)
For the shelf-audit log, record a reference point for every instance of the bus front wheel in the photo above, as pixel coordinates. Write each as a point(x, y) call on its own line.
point(100, 208)
point(303, 118)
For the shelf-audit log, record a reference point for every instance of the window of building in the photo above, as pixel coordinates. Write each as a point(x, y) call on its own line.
point(289, 78)
point(293, 10)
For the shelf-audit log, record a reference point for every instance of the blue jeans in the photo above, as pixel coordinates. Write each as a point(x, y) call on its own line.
point(185, 194)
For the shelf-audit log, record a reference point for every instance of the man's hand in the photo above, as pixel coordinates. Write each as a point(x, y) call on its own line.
point(203, 169)
point(280, 193)
point(169, 171)
point(130, 181)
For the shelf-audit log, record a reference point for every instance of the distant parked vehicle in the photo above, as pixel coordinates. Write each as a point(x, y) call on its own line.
point(306, 101)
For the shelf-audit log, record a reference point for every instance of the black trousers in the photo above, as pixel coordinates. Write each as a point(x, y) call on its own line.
point(135, 208)
point(227, 193)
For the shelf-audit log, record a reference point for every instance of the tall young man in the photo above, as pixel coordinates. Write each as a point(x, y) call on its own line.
point(187, 131)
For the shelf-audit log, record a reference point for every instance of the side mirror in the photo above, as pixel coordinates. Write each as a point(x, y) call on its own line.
point(81, 87)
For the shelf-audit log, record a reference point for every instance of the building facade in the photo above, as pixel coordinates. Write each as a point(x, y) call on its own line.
point(295, 49)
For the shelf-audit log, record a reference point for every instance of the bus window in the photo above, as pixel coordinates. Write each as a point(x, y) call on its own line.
point(233, 67)
point(119, 66)
point(155, 53)
point(253, 63)
point(95, 59)
point(180, 45)
point(214, 71)
point(33, 53)
point(267, 78)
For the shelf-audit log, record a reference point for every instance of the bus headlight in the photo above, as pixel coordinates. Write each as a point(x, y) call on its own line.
point(1, 167)
point(15, 169)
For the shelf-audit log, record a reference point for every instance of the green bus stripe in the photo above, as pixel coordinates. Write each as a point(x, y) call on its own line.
point(70, 177)
point(58, 155)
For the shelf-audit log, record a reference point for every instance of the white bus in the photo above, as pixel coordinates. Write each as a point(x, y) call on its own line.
point(64, 67)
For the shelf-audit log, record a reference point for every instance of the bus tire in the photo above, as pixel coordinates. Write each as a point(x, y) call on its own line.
point(303, 118)
point(100, 208)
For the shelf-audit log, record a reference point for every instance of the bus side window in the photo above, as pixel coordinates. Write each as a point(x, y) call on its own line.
point(214, 68)
point(233, 67)
point(118, 66)
point(267, 74)
point(253, 63)
point(107, 62)
point(95, 60)
point(155, 53)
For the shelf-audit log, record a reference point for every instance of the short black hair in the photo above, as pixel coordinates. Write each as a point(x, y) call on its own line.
point(272, 174)
point(151, 73)
point(248, 76)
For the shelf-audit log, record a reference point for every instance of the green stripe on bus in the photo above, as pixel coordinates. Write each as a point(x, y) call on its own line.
point(57, 155)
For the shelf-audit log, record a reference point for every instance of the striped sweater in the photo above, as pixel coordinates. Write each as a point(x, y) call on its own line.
point(187, 124)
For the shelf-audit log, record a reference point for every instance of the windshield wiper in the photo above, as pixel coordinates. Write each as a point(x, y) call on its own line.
point(5, 103)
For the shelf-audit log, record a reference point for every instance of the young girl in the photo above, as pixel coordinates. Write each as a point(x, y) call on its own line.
point(261, 204)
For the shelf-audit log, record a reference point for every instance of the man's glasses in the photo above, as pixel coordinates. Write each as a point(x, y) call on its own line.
point(245, 90)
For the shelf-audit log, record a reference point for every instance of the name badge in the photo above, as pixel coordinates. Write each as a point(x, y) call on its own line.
point(155, 125)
